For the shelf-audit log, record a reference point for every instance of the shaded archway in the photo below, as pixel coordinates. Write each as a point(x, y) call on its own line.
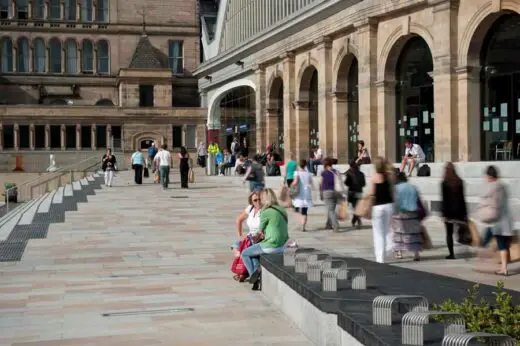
point(347, 108)
point(307, 131)
point(105, 102)
point(275, 128)
point(414, 102)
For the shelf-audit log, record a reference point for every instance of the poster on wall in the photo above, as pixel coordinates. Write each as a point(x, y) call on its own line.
point(415, 133)
point(425, 116)
point(485, 125)
point(496, 125)
point(401, 132)
point(404, 118)
point(408, 132)
point(427, 131)
point(413, 122)
point(432, 115)
point(503, 110)
point(486, 112)
point(517, 130)
point(505, 126)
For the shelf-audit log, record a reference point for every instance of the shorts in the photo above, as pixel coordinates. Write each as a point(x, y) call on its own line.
point(302, 211)
point(289, 182)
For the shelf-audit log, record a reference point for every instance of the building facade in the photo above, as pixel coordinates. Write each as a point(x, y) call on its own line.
point(444, 73)
point(91, 74)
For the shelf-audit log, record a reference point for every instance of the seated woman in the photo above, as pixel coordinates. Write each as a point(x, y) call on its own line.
point(251, 215)
point(273, 232)
point(363, 157)
point(406, 222)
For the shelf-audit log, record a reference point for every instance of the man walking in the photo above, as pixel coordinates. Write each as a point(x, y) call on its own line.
point(164, 160)
point(138, 165)
point(152, 151)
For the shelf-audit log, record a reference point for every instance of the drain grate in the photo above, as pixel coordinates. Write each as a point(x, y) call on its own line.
point(147, 312)
point(11, 252)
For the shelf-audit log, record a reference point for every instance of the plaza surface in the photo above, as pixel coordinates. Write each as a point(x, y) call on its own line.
point(140, 266)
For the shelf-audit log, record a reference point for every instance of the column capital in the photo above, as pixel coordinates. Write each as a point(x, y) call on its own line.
point(16, 127)
point(63, 128)
point(301, 105)
point(467, 72)
point(258, 68)
point(288, 55)
point(341, 96)
point(323, 42)
point(366, 23)
point(31, 127)
point(443, 5)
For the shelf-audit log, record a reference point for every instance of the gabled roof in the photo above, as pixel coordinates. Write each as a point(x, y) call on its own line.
point(147, 56)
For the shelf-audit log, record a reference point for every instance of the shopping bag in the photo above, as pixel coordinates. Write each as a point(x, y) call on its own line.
point(364, 207)
point(464, 234)
point(191, 176)
point(514, 250)
point(284, 194)
point(156, 178)
point(426, 241)
point(146, 173)
point(475, 235)
point(342, 211)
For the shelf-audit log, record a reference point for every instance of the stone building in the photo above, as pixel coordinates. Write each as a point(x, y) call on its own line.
point(445, 73)
point(87, 74)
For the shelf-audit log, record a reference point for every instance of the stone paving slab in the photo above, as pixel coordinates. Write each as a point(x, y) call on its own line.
point(135, 248)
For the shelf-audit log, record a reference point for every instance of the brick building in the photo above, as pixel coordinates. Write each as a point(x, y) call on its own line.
point(329, 72)
point(87, 74)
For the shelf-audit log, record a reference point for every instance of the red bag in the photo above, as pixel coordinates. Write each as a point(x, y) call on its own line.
point(238, 266)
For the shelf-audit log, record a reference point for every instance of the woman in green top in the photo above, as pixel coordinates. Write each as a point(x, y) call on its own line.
point(290, 168)
point(273, 232)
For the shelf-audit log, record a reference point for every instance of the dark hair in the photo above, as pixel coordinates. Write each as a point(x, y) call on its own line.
point(401, 178)
point(257, 158)
point(303, 163)
point(109, 150)
point(327, 162)
point(408, 140)
point(164, 146)
point(362, 142)
point(492, 172)
point(353, 165)
point(450, 175)
point(183, 151)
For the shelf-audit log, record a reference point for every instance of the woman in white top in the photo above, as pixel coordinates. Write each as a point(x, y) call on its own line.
point(303, 200)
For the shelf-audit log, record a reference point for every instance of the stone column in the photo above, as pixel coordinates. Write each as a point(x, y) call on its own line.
point(261, 97)
point(325, 66)
point(93, 137)
point(79, 54)
point(15, 56)
point(109, 134)
point(78, 137)
point(47, 60)
point(340, 126)
point(183, 134)
point(29, 9)
point(63, 138)
point(46, 9)
point(444, 83)
point(94, 60)
point(62, 9)
point(1, 136)
point(468, 102)
point(94, 6)
point(385, 120)
point(203, 99)
point(31, 136)
point(289, 121)
point(47, 137)
point(370, 130)
point(302, 148)
point(16, 136)
point(31, 57)
point(271, 126)
point(78, 10)
point(63, 56)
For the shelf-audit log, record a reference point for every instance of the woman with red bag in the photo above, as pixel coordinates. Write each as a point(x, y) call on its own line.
point(251, 215)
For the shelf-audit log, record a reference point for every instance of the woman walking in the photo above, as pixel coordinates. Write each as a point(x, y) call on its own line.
point(303, 200)
point(383, 207)
point(184, 167)
point(329, 195)
point(453, 208)
point(108, 165)
point(290, 169)
point(355, 181)
point(406, 222)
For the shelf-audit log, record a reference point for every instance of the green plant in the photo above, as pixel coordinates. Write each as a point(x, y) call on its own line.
point(498, 317)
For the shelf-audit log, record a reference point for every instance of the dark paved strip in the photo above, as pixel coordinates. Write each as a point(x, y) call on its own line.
point(354, 308)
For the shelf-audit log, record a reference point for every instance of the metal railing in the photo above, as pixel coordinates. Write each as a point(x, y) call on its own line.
point(53, 180)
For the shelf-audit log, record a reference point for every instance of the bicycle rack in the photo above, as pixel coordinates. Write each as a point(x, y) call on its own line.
point(465, 339)
point(382, 307)
point(413, 325)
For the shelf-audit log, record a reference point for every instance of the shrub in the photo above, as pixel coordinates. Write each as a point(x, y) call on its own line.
point(499, 317)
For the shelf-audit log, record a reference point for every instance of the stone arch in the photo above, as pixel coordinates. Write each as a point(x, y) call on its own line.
point(304, 81)
point(273, 92)
point(157, 137)
point(105, 102)
point(473, 37)
point(277, 74)
point(302, 78)
point(214, 101)
point(394, 45)
point(342, 64)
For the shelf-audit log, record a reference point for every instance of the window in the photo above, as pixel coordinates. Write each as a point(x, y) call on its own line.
point(55, 56)
point(39, 136)
point(145, 95)
point(39, 55)
point(70, 137)
point(6, 49)
point(86, 137)
point(38, 9)
point(116, 137)
point(23, 56)
point(191, 136)
point(86, 11)
point(177, 136)
point(55, 134)
point(22, 9)
point(54, 9)
point(70, 10)
point(175, 54)
point(102, 11)
point(87, 57)
point(4, 9)
point(102, 57)
point(24, 133)
point(71, 56)
point(8, 136)
point(101, 136)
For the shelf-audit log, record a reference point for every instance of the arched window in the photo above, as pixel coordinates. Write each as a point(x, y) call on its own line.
point(6, 49)
point(86, 11)
point(71, 57)
point(102, 57)
point(102, 11)
point(55, 9)
point(38, 9)
point(104, 102)
point(55, 55)
point(87, 57)
point(23, 55)
point(39, 55)
point(70, 10)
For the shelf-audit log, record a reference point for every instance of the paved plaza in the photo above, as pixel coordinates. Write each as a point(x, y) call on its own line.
point(140, 266)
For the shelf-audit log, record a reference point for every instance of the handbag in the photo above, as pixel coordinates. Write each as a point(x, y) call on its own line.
point(294, 190)
point(343, 211)
point(146, 173)
point(339, 188)
point(426, 241)
point(464, 234)
point(237, 266)
point(191, 176)
point(421, 210)
point(364, 207)
point(284, 194)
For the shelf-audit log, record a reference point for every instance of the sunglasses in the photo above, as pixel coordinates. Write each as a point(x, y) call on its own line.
point(256, 200)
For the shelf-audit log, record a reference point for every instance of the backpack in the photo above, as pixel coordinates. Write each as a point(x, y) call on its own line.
point(424, 171)
point(238, 266)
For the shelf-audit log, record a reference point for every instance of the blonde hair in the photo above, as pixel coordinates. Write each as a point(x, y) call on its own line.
point(251, 195)
point(268, 198)
point(380, 165)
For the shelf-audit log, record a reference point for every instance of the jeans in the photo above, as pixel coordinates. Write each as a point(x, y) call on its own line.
point(330, 200)
point(255, 186)
point(313, 166)
point(109, 176)
point(138, 176)
point(164, 173)
point(503, 242)
point(251, 256)
point(381, 215)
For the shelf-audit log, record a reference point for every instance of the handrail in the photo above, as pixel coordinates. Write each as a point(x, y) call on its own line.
point(92, 161)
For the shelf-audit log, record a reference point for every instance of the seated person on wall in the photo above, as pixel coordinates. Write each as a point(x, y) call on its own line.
point(242, 164)
point(413, 156)
point(363, 157)
point(277, 158)
point(227, 162)
point(272, 168)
